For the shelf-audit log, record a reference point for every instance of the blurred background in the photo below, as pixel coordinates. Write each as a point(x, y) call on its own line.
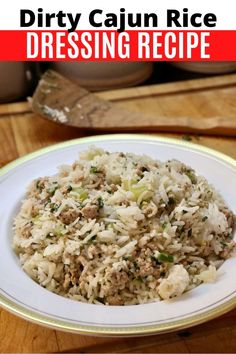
point(19, 79)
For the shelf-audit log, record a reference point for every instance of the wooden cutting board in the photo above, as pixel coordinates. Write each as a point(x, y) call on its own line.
point(205, 106)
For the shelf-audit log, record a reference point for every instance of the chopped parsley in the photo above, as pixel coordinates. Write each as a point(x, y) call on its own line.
point(54, 207)
point(93, 169)
point(171, 201)
point(164, 225)
point(190, 232)
point(125, 258)
point(154, 259)
point(69, 189)
point(224, 244)
point(39, 185)
point(191, 176)
point(135, 264)
point(100, 202)
point(92, 239)
point(204, 218)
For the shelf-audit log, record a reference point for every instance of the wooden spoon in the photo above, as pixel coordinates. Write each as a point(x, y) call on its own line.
point(61, 100)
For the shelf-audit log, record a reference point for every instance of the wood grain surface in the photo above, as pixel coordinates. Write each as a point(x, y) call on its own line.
point(22, 132)
point(59, 99)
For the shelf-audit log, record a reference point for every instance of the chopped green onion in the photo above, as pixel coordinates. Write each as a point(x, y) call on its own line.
point(110, 226)
point(93, 169)
point(135, 188)
point(128, 183)
point(138, 190)
point(164, 257)
point(51, 191)
point(60, 231)
point(82, 193)
point(93, 153)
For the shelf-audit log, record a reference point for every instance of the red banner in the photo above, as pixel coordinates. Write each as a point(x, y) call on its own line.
point(215, 45)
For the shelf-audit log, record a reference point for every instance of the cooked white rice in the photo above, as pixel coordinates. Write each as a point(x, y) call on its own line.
point(122, 229)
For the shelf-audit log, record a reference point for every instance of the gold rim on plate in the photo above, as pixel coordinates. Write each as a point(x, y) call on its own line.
point(117, 331)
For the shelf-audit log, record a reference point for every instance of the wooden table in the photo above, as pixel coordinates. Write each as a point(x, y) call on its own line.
point(22, 132)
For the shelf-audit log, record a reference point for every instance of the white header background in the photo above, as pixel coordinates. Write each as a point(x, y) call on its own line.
point(10, 11)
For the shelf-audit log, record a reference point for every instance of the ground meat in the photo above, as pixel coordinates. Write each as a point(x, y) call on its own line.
point(90, 211)
point(66, 282)
point(35, 210)
point(146, 252)
point(97, 181)
point(113, 187)
point(82, 287)
point(40, 183)
point(93, 250)
point(205, 251)
point(141, 169)
point(150, 210)
point(145, 267)
point(81, 260)
point(75, 274)
point(227, 251)
point(230, 217)
point(119, 279)
point(115, 281)
point(114, 300)
point(108, 289)
point(26, 231)
point(75, 165)
point(71, 275)
point(66, 189)
point(152, 245)
point(68, 216)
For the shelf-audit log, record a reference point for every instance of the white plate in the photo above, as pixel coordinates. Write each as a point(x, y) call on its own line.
point(21, 295)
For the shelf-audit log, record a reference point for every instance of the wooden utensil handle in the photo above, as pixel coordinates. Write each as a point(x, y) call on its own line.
point(57, 97)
